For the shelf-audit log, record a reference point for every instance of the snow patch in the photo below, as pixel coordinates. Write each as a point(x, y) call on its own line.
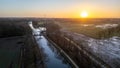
point(105, 26)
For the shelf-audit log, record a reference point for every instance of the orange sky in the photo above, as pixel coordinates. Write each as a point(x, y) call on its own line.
point(60, 8)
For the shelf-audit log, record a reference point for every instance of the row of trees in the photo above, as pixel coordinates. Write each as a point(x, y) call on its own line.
point(13, 28)
point(81, 59)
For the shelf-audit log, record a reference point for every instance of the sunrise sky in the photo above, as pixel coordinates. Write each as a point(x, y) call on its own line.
point(60, 8)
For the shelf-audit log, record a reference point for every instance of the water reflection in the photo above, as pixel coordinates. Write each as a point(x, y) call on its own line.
point(53, 57)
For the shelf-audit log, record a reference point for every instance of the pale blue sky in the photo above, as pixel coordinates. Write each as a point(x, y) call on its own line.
point(57, 8)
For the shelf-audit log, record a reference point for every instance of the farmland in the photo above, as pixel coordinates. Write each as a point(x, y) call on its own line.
point(18, 47)
point(95, 28)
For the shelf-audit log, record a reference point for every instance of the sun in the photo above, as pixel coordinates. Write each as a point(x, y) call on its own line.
point(84, 14)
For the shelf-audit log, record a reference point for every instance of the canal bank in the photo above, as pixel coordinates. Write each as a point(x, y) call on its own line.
point(63, 53)
point(53, 58)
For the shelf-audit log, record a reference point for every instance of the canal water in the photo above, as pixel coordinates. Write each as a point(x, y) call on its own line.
point(53, 58)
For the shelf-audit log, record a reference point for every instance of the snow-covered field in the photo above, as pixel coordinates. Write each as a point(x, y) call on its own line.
point(103, 26)
point(107, 49)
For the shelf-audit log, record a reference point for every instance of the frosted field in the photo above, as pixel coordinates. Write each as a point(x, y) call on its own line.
point(103, 26)
point(107, 49)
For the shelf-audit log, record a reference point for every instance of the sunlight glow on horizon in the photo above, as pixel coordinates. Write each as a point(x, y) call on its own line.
point(84, 14)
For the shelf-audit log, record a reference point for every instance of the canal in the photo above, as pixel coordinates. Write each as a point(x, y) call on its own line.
point(53, 57)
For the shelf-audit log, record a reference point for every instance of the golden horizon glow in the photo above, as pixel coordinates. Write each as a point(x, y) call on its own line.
point(84, 14)
point(60, 9)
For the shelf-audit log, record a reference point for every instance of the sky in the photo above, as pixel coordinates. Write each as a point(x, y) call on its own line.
point(60, 8)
